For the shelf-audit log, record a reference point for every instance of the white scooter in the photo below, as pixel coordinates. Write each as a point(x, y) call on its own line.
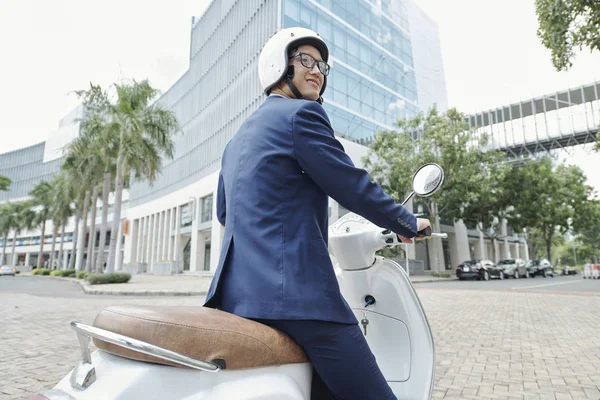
point(227, 357)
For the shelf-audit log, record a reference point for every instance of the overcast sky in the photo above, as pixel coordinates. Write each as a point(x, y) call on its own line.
point(490, 50)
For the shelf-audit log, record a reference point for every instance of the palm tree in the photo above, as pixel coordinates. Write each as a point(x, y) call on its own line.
point(144, 131)
point(4, 183)
point(64, 195)
point(5, 226)
point(92, 238)
point(58, 208)
point(84, 167)
point(105, 142)
point(21, 217)
point(42, 201)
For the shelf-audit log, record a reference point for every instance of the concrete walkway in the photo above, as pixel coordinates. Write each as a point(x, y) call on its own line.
point(174, 285)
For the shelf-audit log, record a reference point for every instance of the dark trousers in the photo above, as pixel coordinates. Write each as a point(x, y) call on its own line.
point(341, 358)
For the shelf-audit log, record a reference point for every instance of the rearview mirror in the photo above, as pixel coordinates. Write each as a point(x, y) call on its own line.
point(426, 181)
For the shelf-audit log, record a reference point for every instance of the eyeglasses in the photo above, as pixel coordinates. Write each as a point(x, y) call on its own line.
point(309, 62)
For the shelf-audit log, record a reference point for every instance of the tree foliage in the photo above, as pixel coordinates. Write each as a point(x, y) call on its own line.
point(546, 198)
point(4, 183)
point(139, 130)
point(472, 174)
point(568, 24)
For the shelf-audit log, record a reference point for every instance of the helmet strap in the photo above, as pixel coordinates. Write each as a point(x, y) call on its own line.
point(288, 80)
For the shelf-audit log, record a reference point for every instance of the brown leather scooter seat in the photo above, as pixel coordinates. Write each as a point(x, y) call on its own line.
point(199, 332)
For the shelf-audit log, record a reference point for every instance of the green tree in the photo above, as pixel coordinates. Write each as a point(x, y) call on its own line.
point(588, 223)
point(42, 201)
point(21, 217)
point(443, 138)
point(144, 132)
point(4, 183)
point(5, 227)
point(63, 203)
point(568, 24)
point(545, 198)
point(99, 136)
point(83, 169)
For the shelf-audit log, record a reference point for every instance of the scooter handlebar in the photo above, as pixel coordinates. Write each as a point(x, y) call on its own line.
point(427, 233)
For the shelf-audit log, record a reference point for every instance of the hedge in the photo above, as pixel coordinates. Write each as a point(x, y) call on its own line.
point(40, 271)
point(115, 277)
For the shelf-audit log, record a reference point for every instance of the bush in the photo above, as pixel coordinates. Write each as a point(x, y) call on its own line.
point(441, 274)
point(81, 275)
point(115, 277)
point(63, 273)
point(40, 271)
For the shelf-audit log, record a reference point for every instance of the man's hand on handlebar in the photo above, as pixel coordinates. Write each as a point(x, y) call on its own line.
point(422, 224)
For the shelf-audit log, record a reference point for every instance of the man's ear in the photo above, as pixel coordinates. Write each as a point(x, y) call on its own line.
point(290, 71)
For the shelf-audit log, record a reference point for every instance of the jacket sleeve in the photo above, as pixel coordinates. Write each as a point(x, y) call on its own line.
point(322, 157)
point(221, 200)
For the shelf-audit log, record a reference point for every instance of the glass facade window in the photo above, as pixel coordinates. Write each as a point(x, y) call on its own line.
point(372, 83)
point(187, 215)
point(207, 204)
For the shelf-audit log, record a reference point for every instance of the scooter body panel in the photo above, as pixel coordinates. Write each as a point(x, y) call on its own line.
point(120, 378)
point(398, 332)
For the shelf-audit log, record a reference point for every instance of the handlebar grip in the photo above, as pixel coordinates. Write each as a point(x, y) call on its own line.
point(424, 232)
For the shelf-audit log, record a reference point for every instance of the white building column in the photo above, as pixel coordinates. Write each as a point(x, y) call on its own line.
point(166, 235)
point(171, 232)
point(526, 251)
point(460, 251)
point(496, 246)
point(27, 257)
point(505, 246)
point(160, 236)
point(150, 252)
point(176, 242)
point(64, 263)
point(118, 255)
point(517, 250)
point(131, 242)
point(140, 241)
point(195, 236)
point(482, 253)
point(200, 250)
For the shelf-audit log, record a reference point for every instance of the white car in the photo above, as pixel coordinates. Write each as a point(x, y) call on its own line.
point(7, 270)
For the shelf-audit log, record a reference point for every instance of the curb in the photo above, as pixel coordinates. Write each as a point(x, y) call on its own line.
point(90, 290)
point(434, 280)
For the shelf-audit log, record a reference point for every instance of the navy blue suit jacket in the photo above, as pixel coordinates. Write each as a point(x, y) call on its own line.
point(272, 197)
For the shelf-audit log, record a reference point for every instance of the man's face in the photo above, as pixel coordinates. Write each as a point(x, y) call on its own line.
point(308, 81)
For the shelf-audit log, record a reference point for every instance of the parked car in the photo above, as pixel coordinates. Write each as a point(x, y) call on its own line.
point(541, 267)
point(7, 270)
point(515, 268)
point(479, 269)
point(567, 270)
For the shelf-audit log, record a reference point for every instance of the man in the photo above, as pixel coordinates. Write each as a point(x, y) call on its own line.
point(277, 174)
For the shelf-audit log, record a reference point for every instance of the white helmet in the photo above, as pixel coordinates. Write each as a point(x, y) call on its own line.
point(273, 59)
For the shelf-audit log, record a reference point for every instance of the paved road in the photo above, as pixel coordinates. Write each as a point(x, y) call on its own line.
point(572, 284)
point(492, 341)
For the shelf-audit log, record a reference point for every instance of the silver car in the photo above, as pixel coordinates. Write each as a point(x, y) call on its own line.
point(514, 267)
point(7, 270)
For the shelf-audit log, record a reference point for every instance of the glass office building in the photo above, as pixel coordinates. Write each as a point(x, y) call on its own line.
point(374, 80)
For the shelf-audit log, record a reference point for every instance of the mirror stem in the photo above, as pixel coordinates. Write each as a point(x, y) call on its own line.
point(410, 196)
